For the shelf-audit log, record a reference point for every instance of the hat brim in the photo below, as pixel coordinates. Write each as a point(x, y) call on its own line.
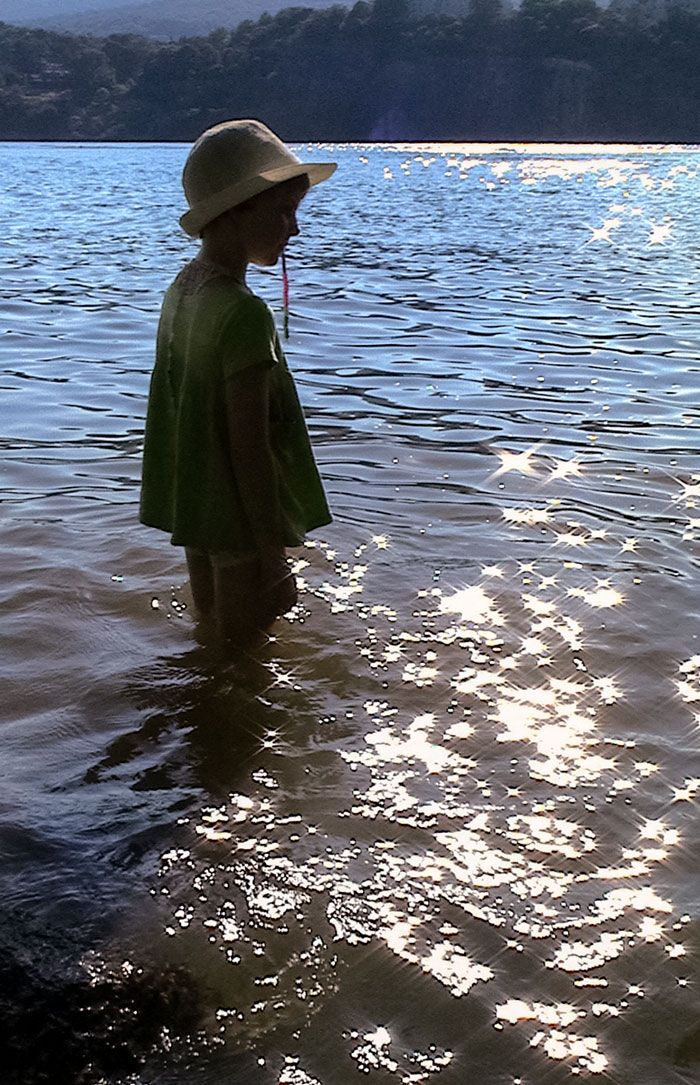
point(204, 212)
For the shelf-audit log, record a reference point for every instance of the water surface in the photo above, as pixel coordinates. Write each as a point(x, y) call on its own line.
point(445, 828)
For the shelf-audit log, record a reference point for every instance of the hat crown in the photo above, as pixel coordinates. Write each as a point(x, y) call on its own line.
point(230, 154)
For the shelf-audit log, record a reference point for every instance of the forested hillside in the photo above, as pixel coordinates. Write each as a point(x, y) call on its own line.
point(551, 70)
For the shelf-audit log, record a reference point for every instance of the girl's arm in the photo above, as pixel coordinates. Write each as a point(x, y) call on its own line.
point(248, 411)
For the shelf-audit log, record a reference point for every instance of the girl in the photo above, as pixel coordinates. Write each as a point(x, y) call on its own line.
point(228, 469)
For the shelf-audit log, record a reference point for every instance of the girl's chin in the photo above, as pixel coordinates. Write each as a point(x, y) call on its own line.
point(267, 261)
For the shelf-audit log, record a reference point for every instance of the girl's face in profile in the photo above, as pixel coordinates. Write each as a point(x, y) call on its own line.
point(267, 222)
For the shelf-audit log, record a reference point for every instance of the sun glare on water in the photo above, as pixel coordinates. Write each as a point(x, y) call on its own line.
point(490, 785)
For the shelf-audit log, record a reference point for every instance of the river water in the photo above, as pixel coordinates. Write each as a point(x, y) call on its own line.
point(444, 829)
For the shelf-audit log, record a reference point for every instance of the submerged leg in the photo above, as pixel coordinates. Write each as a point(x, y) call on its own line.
point(278, 588)
point(249, 596)
point(201, 580)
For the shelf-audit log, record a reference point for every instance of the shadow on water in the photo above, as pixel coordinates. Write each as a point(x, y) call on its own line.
point(212, 706)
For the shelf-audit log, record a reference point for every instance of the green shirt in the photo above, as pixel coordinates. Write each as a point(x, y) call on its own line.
point(211, 328)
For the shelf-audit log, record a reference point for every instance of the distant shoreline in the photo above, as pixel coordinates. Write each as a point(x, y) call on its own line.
point(445, 146)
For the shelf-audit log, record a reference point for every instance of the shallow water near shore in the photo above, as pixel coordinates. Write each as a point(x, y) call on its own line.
point(444, 828)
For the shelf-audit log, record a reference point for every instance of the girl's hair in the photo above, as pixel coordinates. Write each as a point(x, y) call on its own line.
point(294, 185)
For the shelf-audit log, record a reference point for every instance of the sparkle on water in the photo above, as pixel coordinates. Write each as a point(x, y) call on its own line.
point(499, 664)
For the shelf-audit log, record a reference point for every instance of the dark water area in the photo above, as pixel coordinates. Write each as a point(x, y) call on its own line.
point(444, 829)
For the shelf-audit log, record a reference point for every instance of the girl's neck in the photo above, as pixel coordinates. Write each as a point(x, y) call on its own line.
point(221, 254)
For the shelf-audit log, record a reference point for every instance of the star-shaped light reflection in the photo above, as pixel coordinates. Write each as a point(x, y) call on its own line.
point(565, 468)
point(659, 233)
point(602, 233)
point(515, 461)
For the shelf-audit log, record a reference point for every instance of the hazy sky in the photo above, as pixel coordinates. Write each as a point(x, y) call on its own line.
point(34, 9)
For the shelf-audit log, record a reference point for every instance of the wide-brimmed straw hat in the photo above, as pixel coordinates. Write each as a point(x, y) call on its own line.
point(234, 161)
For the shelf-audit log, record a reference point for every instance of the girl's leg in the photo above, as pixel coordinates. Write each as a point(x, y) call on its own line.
point(249, 595)
point(201, 580)
point(236, 602)
point(278, 588)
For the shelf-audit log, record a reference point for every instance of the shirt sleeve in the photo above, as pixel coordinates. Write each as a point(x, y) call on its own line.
point(248, 337)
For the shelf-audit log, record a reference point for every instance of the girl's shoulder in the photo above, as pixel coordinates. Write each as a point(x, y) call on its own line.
point(215, 285)
point(204, 292)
